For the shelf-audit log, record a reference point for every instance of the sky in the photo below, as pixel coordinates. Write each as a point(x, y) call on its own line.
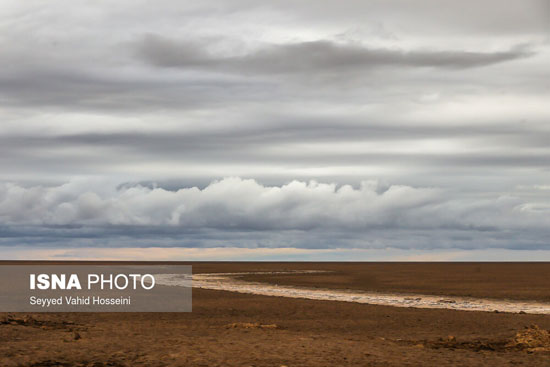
point(238, 129)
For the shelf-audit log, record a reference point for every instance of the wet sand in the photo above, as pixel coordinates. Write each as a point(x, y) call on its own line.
point(232, 329)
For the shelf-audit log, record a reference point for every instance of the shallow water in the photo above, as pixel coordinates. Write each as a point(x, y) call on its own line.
point(231, 282)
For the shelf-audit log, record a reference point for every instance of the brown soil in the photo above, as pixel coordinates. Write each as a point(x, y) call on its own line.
point(229, 329)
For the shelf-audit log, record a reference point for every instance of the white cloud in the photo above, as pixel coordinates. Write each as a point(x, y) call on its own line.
point(228, 203)
point(252, 214)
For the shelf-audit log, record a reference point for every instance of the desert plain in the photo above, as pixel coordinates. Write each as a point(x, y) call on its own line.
point(235, 329)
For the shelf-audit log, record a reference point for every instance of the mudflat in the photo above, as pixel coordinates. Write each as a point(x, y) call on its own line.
point(519, 281)
point(230, 329)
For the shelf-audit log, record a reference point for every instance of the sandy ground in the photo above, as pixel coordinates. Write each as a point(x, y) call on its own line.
point(227, 329)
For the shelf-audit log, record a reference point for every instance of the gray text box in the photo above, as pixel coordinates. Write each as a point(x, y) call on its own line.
point(95, 288)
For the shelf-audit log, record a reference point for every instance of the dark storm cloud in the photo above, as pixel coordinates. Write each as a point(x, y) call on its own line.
point(312, 57)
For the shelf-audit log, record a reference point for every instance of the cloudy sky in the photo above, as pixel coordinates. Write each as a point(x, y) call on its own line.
point(306, 129)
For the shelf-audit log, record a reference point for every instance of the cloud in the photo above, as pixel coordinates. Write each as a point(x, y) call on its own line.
point(442, 17)
point(448, 100)
point(243, 211)
point(310, 58)
point(231, 203)
point(284, 146)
